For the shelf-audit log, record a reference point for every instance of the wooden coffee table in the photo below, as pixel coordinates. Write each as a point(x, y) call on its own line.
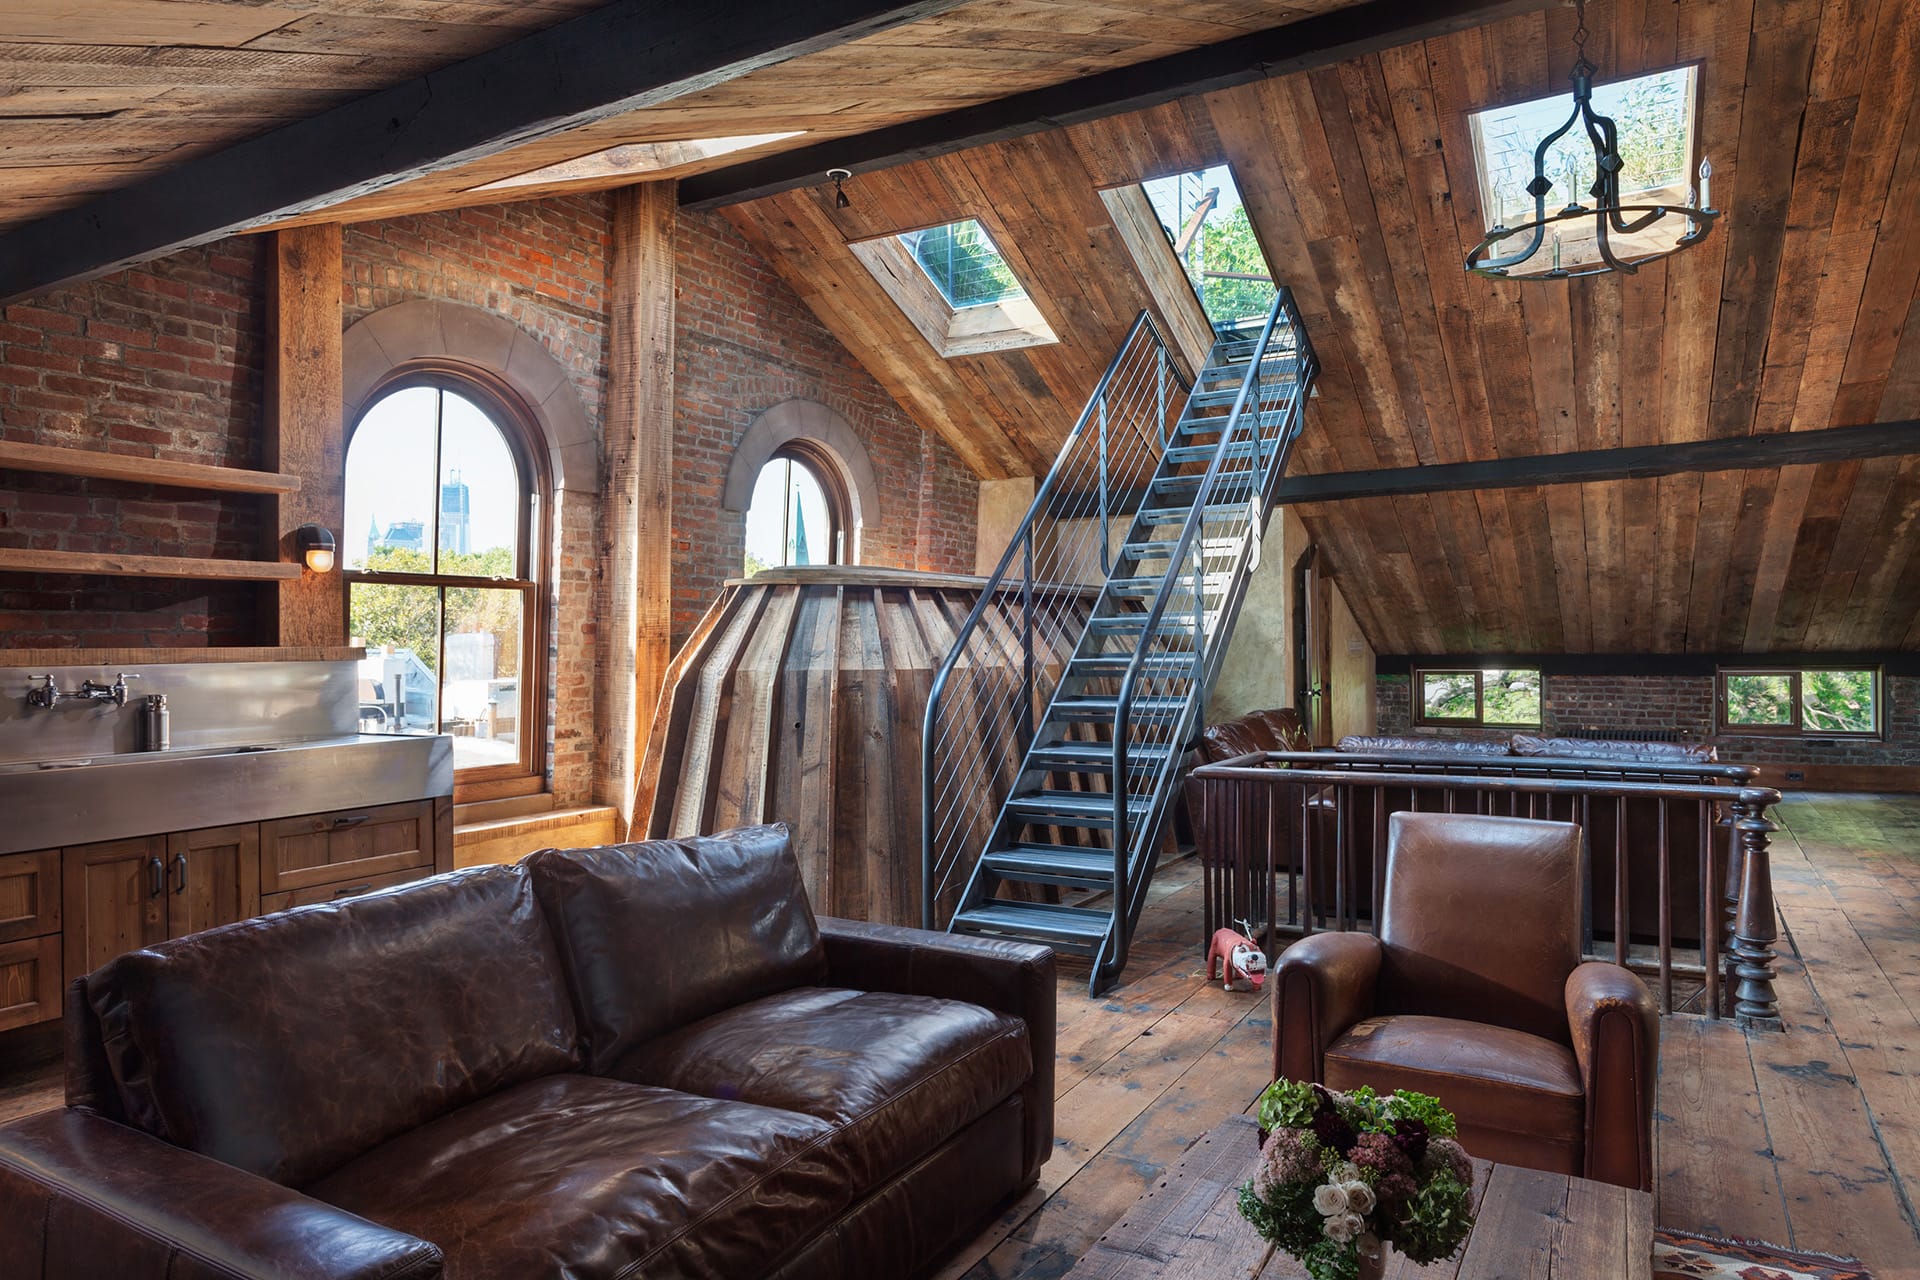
point(1528, 1224)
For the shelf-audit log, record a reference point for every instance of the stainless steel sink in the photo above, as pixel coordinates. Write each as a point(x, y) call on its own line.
point(51, 803)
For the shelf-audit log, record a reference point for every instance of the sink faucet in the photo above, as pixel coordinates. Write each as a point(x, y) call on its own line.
point(50, 695)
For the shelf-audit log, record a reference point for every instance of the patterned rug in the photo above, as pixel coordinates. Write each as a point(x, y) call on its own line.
point(1680, 1256)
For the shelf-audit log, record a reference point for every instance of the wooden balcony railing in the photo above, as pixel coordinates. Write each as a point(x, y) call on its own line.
point(1679, 880)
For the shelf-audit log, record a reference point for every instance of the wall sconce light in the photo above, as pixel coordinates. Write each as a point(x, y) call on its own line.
point(839, 176)
point(316, 547)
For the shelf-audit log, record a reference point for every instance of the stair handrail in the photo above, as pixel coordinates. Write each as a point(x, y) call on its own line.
point(1283, 302)
point(1021, 544)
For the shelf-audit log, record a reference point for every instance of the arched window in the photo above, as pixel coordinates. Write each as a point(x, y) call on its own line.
point(444, 506)
point(797, 514)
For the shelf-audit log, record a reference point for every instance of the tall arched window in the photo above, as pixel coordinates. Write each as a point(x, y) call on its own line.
point(444, 507)
point(797, 514)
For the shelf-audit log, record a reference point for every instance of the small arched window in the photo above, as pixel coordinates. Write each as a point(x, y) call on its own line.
point(798, 513)
point(444, 501)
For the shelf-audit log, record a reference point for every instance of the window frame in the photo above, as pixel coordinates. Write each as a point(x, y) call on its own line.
point(832, 488)
point(1418, 700)
point(1797, 729)
point(521, 432)
point(975, 329)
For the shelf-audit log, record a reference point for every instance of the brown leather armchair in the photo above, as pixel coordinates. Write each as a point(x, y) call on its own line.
point(1474, 992)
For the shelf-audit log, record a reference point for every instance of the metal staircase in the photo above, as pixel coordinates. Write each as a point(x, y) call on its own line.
point(1089, 660)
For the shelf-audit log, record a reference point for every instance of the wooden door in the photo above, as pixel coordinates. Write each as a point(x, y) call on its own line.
point(213, 877)
point(1313, 648)
point(113, 898)
point(29, 895)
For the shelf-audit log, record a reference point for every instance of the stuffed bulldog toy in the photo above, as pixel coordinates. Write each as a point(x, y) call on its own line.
point(1236, 961)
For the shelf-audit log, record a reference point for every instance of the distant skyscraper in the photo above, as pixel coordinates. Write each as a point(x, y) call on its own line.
point(456, 510)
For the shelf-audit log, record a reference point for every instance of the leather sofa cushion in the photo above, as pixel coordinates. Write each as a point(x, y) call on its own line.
point(657, 935)
point(899, 1074)
point(288, 1044)
point(1527, 744)
point(577, 1178)
point(1275, 729)
point(1492, 1078)
point(1421, 745)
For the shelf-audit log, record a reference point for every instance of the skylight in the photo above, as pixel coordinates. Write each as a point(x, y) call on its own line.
point(956, 288)
point(963, 264)
point(630, 158)
point(1655, 117)
point(1213, 238)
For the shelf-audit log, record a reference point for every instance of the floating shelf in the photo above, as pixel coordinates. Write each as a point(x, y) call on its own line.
point(19, 560)
point(50, 658)
point(55, 460)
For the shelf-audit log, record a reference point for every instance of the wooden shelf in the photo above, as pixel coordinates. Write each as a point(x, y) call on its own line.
point(19, 560)
point(119, 466)
point(50, 658)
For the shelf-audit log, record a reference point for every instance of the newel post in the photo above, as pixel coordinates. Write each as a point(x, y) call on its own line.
point(1756, 926)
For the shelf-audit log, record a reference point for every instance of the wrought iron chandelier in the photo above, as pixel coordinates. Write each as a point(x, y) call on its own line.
point(1611, 219)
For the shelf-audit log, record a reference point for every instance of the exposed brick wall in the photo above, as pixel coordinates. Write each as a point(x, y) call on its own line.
point(163, 360)
point(1573, 705)
point(543, 265)
point(746, 342)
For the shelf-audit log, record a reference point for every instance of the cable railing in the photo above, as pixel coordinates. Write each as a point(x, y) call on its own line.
point(1009, 655)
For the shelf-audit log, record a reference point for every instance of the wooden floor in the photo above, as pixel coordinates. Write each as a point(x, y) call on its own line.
point(1808, 1138)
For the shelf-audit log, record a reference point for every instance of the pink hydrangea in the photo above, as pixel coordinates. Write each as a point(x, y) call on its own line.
point(1380, 1153)
point(1288, 1157)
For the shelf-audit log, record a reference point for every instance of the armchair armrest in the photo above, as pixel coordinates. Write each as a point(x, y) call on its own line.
point(83, 1197)
point(1322, 985)
point(1616, 1044)
point(1014, 978)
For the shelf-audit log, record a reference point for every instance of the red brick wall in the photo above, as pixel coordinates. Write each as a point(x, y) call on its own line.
point(166, 359)
point(543, 265)
point(746, 342)
point(1575, 705)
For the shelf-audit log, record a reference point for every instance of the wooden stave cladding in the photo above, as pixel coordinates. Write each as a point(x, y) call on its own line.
point(734, 740)
point(1796, 314)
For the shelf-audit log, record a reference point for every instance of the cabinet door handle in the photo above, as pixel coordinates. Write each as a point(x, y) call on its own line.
point(156, 877)
point(350, 820)
point(180, 872)
point(352, 889)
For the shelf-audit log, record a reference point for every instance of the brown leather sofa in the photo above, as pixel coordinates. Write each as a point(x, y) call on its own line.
point(1474, 992)
point(637, 1061)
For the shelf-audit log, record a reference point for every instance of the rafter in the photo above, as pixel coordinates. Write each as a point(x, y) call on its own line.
point(630, 54)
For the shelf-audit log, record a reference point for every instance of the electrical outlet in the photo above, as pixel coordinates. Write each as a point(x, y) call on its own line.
point(1796, 775)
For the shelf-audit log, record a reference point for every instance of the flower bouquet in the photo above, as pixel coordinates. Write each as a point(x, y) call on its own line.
point(1343, 1174)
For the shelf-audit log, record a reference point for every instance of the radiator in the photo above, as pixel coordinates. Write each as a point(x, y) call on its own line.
point(1628, 735)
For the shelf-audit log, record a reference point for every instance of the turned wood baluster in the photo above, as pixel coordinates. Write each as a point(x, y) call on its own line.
point(1756, 926)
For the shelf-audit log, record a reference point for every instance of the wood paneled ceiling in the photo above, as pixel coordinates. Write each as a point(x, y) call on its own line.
point(1800, 312)
point(96, 95)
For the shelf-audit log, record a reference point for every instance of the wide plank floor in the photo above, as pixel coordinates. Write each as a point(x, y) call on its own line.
point(1809, 1138)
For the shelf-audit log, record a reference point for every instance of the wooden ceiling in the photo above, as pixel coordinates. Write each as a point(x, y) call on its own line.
point(1800, 312)
point(96, 95)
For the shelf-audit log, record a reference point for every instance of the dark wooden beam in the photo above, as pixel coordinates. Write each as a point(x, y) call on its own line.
point(1299, 46)
point(630, 54)
point(1734, 453)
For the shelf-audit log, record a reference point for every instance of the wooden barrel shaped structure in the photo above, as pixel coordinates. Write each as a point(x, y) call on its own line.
point(800, 698)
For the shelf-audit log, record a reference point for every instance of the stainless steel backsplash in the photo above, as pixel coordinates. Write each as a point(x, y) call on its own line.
point(213, 704)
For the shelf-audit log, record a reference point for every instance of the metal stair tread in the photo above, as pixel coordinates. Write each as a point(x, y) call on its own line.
point(1083, 757)
point(1035, 919)
point(1082, 708)
point(1053, 864)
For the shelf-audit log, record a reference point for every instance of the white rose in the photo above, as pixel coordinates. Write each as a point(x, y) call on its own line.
point(1355, 1224)
point(1337, 1228)
point(1359, 1197)
point(1329, 1200)
point(1345, 1171)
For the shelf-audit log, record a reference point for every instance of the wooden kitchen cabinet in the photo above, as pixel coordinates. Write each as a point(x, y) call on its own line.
point(29, 938)
point(213, 877)
point(113, 898)
point(346, 848)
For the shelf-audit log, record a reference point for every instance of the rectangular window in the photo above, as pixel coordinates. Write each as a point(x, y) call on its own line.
point(1213, 238)
point(1504, 697)
point(953, 284)
point(1819, 702)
